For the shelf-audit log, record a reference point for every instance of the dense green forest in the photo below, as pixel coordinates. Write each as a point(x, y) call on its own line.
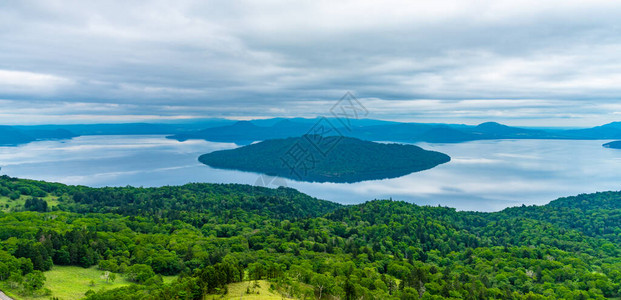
point(326, 159)
point(212, 235)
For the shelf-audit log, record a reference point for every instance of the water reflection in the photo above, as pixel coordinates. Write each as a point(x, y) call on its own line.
point(483, 175)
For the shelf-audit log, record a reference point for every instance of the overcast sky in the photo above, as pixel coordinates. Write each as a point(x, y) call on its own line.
point(541, 63)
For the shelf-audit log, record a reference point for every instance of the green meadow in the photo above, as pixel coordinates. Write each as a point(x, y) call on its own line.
point(70, 282)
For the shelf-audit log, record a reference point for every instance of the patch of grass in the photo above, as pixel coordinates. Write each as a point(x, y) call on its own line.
point(69, 282)
point(8, 205)
point(51, 200)
point(260, 291)
point(4, 287)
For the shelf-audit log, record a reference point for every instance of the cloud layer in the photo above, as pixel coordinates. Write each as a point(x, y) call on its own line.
point(518, 62)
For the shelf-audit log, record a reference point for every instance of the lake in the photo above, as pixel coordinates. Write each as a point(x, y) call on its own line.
point(482, 175)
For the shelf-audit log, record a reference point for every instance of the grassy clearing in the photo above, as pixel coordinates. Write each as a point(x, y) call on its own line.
point(239, 291)
point(68, 282)
point(72, 282)
point(8, 205)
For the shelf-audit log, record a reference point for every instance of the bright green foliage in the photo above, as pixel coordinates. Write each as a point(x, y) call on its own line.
point(139, 273)
point(215, 235)
point(595, 215)
point(34, 281)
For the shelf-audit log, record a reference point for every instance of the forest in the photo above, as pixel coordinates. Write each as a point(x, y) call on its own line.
point(210, 236)
point(318, 158)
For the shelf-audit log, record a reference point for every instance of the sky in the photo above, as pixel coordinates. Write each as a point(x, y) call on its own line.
point(527, 63)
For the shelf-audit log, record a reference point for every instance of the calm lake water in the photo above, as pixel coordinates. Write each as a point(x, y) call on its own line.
point(482, 175)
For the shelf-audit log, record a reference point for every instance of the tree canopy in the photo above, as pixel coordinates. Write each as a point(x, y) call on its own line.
point(326, 159)
point(211, 235)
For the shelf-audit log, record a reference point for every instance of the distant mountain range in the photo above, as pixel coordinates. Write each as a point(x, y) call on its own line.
point(11, 136)
point(246, 132)
point(21, 134)
point(133, 128)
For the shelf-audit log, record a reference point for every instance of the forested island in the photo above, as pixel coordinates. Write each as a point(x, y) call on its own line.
point(326, 159)
point(613, 145)
point(230, 241)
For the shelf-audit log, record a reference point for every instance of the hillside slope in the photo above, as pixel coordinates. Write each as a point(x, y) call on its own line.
point(215, 235)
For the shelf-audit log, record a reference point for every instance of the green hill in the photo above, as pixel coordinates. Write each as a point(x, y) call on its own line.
point(595, 215)
point(326, 159)
point(202, 241)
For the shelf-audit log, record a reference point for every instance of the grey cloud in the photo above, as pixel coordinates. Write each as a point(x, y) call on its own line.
point(215, 58)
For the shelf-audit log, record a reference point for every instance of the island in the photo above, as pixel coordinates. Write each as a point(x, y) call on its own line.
point(613, 145)
point(336, 159)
